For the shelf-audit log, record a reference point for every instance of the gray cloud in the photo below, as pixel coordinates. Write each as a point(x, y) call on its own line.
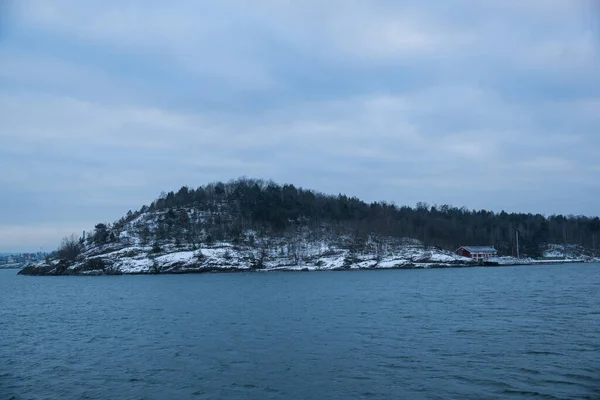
point(472, 105)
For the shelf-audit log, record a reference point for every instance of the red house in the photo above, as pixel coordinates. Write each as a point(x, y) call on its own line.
point(477, 253)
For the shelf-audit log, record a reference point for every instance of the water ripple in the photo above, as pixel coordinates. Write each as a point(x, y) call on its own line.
point(478, 333)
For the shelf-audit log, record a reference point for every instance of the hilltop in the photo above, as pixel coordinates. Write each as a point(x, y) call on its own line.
point(258, 225)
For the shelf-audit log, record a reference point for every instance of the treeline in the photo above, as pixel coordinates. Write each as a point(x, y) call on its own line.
point(272, 209)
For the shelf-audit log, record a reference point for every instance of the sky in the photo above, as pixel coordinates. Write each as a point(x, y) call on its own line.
point(105, 104)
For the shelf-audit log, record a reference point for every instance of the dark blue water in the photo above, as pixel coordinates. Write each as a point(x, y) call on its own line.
point(479, 333)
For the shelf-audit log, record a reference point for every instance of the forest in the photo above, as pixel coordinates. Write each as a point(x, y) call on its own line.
point(273, 209)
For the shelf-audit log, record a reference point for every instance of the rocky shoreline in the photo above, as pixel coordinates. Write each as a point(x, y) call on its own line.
point(230, 258)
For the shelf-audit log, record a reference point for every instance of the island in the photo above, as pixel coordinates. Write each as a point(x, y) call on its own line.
point(257, 225)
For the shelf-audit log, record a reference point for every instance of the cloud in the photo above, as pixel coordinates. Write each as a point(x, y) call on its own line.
point(190, 36)
point(549, 164)
point(485, 104)
point(381, 132)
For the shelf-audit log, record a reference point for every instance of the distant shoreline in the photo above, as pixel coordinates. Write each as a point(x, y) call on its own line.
point(20, 266)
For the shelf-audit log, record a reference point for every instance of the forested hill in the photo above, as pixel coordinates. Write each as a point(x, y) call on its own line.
point(230, 209)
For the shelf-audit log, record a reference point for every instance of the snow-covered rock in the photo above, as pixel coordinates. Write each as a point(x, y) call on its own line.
point(229, 257)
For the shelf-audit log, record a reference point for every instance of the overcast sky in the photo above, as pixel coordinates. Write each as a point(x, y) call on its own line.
point(104, 104)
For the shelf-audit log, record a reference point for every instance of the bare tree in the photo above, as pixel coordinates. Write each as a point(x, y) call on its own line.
point(69, 248)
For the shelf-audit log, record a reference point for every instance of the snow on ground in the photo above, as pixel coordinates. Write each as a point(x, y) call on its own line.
point(174, 258)
point(392, 263)
point(227, 256)
point(510, 260)
point(134, 266)
point(286, 253)
point(530, 261)
point(273, 256)
point(332, 261)
point(317, 256)
point(365, 264)
point(448, 258)
point(132, 249)
point(553, 254)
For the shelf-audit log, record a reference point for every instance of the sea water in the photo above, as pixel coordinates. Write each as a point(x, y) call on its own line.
point(470, 333)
